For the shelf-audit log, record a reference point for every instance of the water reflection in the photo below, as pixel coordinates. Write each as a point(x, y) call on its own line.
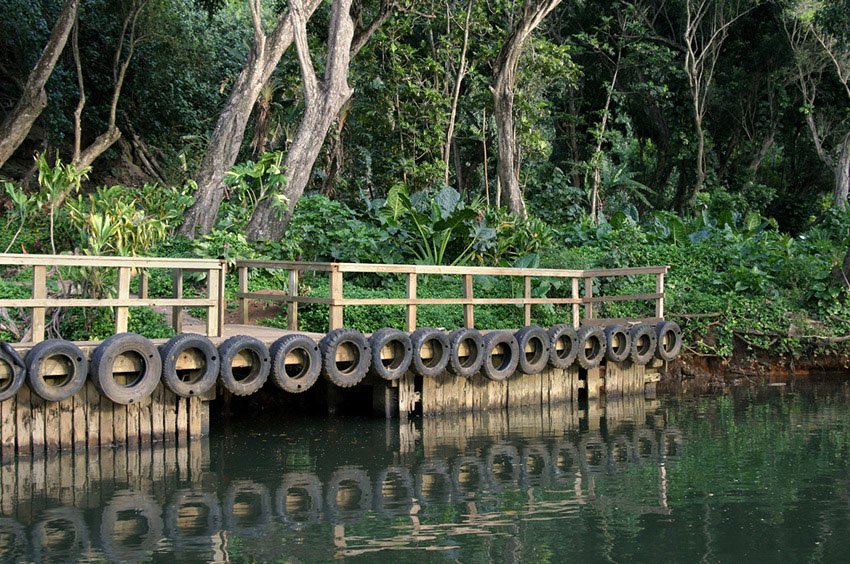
point(326, 489)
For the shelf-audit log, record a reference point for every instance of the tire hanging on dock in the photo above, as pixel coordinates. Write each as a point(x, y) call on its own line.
point(300, 376)
point(17, 372)
point(669, 336)
point(62, 352)
point(536, 338)
point(140, 351)
point(193, 382)
point(501, 355)
point(563, 346)
point(591, 348)
point(237, 381)
point(440, 351)
point(466, 365)
point(617, 334)
point(643, 343)
point(398, 345)
point(350, 371)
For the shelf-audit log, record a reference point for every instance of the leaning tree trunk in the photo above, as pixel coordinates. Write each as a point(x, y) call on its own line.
point(229, 131)
point(33, 100)
point(842, 174)
point(505, 74)
point(323, 99)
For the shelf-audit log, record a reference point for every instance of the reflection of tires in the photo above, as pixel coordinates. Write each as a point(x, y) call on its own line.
point(440, 351)
point(131, 527)
point(299, 376)
point(247, 508)
point(192, 518)
point(563, 346)
point(643, 343)
point(468, 364)
point(145, 360)
point(503, 465)
point(433, 483)
point(535, 338)
point(401, 353)
point(669, 336)
point(348, 495)
point(192, 382)
point(298, 501)
point(394, 491)
point(64, 353)
point(620, 453)
point(468, 477)
point(646, 445)
point(617, 334)
point(566, 463)
point(350, 371)
point(244, 380)
point(501, 355)
point(536, 468)
point(10, 385)
point(591, 348)
point(60, 534)
point(672, 441)
point(594, 453)
point(15, 547)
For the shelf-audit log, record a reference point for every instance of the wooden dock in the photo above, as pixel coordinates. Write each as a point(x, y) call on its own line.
point(32, 426)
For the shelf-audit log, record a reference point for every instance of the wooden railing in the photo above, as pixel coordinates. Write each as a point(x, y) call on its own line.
point(337, 302)
point(44, 266)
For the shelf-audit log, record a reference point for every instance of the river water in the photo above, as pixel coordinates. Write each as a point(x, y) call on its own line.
point(757, 476)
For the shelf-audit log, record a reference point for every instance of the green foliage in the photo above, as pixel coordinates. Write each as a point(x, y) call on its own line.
point(79, 324)
point(250, 183)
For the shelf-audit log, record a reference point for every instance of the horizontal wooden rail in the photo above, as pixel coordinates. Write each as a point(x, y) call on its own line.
point(336, 300)
point(44, 265)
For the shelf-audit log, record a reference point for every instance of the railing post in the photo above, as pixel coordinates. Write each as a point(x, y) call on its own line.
point(468, 309)
point(292, 306)
point(335, 317)
point(243, 289)
point(576, 305)
point(214, 311)
point(588, 293)
point(39, 292)
point(222, 301)
point(177, 311)
point(659, 289)
point(410, 324)
point(527, 295)
point(143, 284)
point(122, 312)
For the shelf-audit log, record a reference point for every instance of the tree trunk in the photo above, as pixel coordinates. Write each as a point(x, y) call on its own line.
point(842, 174)
point(505, 71)
point(33, 100)
point(323, 99)
point(229, 131)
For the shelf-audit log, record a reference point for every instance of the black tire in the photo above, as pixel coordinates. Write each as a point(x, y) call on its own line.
point(440, 348)
point(103, 364)
point(644, 341)
point(244, 381)
point(673, 346)
point(15, 365)
point(591, 346)
point(339, 486)
point(73, 359)
point(402, 353)
point(141, 513)
point(296, 378)
point(563, 346)
point(620, 334)
point(505, 366)
point(535, 361)
point(188, 383)
point(469, 365)
point(345, 374)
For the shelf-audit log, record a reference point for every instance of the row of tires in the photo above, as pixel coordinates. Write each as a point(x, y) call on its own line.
point(243, 364)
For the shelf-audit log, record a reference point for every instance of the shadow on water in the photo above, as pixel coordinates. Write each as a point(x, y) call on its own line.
point(677, 480)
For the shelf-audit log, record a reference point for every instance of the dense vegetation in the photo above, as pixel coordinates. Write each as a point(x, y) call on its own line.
point(639, 133)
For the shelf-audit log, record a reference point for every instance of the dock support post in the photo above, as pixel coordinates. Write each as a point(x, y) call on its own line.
point(468, 309)
point(659, 289)
point(292, 306)
point(177, 311)
point(588, 293)
point(215, 312)
point(410, 324)
point(122, 313)
point(39, 291)
point(335, 318)
point(527, 296)
point(576, 312)
point(243, 289)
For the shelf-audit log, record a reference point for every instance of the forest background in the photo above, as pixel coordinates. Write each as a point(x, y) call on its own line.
point(709, 135)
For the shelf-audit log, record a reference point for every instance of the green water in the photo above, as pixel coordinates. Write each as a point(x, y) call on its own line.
point(752, 477)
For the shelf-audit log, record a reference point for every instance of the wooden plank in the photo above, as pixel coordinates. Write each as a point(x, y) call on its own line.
point(335, 318)
point(145, 423)
point(659, 290)
point(8, 488)
point(169, 400)
point(23, 495)
point(468, 308)
point(92, 414)
point(410, 321)
point(133, 425)
point(119, 424)
point(106, 302)
point(65, 478)
point(292, 307)
point(17, 259)
point(79, 421)
point(195, 418)
point(177, 293)
point(122, 313)
point(243, 294)
point(182, 427)
point(527, 296)
point(213, 311)
point(588, 297)
point(38, 415)
point(66, 424)
point(134, 470)
point(8, 430)
point(80, 482)
point(221, 298)
point(575, 305)
point(39, 291)
point(107, 431)
point(157, 414)
point(143, 284)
